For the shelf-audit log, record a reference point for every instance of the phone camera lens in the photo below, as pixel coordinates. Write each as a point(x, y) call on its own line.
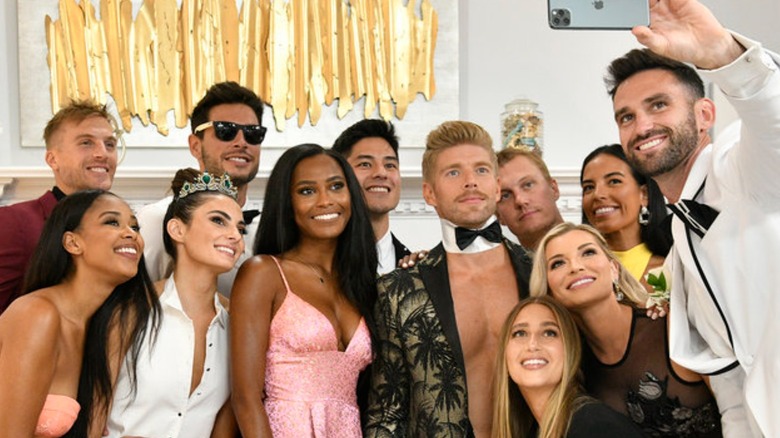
point(566, 21)
point(556, 21)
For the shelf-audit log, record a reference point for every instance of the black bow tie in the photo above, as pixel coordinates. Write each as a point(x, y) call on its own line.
point(250, 215)
point(697, 217)
point(464, 236)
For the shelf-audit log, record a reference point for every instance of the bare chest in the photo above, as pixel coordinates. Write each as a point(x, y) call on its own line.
point(482, 299)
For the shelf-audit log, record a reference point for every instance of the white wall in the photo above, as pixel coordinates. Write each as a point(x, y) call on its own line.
point(506, 50)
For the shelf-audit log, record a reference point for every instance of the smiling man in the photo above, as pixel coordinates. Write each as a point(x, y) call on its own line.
point(528, 195)
point(226, 137)
point(438, 322)
point(371, 148)
point(81, 150)
point(725, 195)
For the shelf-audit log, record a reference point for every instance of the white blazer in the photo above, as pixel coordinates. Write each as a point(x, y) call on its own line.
point(727, 322)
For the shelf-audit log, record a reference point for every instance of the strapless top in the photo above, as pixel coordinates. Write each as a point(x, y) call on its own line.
point(57, 416)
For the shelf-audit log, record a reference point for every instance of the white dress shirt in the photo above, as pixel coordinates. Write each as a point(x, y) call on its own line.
point(162, 406)
point(385, 254)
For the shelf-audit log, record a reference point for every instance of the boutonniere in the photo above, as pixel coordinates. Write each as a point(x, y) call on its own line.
point(660, 280)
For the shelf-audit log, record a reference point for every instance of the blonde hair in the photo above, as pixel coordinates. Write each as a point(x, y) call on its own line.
point(512, 417)
point(635, 293)
point(454, 133)
point(76, 111)
point(509, 154)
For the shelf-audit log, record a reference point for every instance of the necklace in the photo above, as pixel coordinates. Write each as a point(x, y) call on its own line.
point(313, 269)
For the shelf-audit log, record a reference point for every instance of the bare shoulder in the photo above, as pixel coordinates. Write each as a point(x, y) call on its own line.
point(32, 321)
point(258, 278)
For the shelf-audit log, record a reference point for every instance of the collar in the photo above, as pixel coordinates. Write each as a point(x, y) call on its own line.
point(385, 253)
point(59, 194)
point(479, 245)
point(170, 298)
point(697, 174)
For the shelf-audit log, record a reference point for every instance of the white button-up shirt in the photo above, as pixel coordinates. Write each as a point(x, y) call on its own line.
point(163, 406)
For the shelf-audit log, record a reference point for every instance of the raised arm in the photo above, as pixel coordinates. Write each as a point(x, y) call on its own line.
point(251, 309)
point(388, 400)
point(29, 349)
point(685, 30)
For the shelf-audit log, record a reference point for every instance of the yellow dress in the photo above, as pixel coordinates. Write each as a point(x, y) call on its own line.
point(635, 260)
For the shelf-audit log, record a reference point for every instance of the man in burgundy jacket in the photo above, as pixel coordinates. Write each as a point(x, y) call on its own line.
point(81, 149)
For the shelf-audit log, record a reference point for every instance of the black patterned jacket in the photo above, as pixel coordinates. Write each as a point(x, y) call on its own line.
point(418, 385)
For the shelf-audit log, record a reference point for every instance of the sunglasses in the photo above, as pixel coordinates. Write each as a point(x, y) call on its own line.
point(227, 131)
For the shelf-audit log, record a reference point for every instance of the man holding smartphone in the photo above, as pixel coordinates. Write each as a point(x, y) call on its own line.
point(725, 286)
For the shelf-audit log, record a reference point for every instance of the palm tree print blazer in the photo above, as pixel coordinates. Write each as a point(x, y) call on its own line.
point(418, 386)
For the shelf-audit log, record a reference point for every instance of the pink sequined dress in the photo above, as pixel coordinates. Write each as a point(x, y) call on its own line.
point(310, 384)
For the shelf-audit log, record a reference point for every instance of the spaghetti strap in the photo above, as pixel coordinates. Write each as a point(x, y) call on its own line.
point(281, 272)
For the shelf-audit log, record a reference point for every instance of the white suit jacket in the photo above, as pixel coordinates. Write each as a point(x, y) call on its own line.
point(727, 322)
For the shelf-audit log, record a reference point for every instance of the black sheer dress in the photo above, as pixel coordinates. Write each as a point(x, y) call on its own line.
point(643, 386)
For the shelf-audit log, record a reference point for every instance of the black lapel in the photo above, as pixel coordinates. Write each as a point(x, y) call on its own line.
point(522, 264)
point(436, 279)
point(401, 250)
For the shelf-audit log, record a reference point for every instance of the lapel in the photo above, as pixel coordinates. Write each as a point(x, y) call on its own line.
point(435, 277)
point(400, 249)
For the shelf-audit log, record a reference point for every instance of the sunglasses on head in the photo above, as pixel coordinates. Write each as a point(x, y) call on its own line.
point(227, 131)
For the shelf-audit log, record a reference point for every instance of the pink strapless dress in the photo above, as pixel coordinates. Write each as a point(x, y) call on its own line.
point(310, 384)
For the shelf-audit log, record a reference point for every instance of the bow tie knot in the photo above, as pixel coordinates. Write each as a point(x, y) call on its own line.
point(250, 215)
point(464, 236)
point(696, 217)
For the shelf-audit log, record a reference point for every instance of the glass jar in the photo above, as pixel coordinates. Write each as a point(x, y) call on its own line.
point(522, 125)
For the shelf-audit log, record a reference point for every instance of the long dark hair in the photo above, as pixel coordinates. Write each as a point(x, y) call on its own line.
point(129, 305)
point(356, 258)
point(653, 235)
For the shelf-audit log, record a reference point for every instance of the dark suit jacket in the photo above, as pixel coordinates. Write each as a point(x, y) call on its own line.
point(20, 228)
point(418, 386)
point(401, 250)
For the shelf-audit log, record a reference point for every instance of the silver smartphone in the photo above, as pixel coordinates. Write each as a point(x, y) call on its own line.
point(597, 14)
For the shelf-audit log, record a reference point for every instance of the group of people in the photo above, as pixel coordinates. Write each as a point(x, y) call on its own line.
point(194, 318)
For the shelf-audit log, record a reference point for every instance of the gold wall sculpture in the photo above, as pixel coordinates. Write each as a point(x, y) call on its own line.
point(296, 55)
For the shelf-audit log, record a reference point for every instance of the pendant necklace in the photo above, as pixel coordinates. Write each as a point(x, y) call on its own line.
point(310, 266)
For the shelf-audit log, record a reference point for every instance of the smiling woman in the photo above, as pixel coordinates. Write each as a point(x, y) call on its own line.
point(316, 262)
point(627, 208)
point(87, 270)
point(180, 377)
point(538, 384)
point(626, 363)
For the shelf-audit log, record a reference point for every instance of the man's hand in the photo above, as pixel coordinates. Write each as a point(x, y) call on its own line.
point(685, 30)
point(411, 259)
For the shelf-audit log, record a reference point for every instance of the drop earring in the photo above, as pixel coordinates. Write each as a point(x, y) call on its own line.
point(644, 216)
point(618, 290)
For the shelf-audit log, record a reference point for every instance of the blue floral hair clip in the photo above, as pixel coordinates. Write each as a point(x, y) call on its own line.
point(209, 183)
